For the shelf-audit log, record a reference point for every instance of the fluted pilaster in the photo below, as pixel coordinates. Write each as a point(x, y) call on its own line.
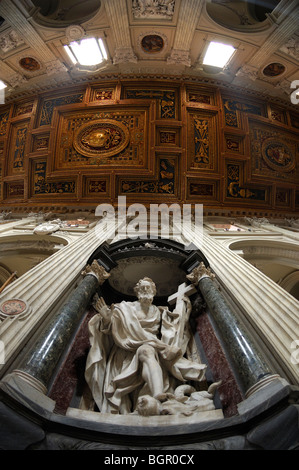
point(282, 32)
point(273, 312)
point(13, 15)
point(189, 14)
point(43, 286)
point(118, 18)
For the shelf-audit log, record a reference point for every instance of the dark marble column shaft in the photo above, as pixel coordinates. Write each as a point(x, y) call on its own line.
point(41, 361)
point(250, 365)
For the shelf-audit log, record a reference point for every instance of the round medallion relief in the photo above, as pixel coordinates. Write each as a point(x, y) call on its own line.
point(101, 138)
point(274, 69)
point(13, 307)
point(278, 155)
point(152, 43)
point(29, 64)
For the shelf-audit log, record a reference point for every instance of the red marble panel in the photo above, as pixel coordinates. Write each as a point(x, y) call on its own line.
point(229, 391)
point(72, 369)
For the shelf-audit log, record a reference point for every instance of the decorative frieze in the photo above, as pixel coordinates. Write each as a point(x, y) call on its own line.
point(10, 41)
point(153, 9)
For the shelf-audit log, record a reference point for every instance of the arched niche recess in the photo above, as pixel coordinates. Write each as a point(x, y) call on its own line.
point(276, 259)
point(167, 263)
point(21, 252)
point(242, 15)
point(63, 13)
point(64, 418)
point(164, 261)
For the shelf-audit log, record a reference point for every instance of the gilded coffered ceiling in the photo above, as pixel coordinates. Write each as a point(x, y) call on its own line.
point(151, 121)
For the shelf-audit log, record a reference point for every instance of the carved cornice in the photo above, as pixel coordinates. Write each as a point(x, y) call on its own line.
point(187, 78)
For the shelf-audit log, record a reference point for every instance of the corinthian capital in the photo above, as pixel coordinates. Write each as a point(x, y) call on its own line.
point(200, 272)
point(95, 269)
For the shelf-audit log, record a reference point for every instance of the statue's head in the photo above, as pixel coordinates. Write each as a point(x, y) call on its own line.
point(145, 290)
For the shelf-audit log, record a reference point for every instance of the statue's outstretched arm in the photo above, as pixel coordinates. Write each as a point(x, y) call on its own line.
point(102, 308)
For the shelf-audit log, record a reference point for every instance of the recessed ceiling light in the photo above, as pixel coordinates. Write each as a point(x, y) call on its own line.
point(89, 51)
point(218, 54)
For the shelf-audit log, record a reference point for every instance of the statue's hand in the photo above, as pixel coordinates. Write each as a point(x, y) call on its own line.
point(102, 308)
point(188, 304)
point(187, 300)
point(171, 353)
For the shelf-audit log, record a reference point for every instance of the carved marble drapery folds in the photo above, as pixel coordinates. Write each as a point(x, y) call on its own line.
point(141, 355)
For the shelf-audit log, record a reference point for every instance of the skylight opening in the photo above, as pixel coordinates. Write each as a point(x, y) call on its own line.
point(2, 85)
point(218, 54)
point(88, 51)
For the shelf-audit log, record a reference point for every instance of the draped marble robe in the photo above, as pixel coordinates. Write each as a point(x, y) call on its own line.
point(113, 370)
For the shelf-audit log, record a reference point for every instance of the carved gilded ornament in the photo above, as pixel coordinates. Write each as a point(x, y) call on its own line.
point(200, 272)
point(95, 269)
point(101, 138)
point(277, 155)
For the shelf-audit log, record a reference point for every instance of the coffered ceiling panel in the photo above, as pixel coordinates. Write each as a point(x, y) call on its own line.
point(150, 121)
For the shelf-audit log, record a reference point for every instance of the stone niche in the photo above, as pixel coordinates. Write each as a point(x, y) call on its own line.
point(66, 417)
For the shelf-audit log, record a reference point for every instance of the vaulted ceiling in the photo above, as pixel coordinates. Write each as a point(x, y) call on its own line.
point(264, 32)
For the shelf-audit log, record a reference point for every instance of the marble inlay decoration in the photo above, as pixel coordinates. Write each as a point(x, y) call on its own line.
point(13, 307)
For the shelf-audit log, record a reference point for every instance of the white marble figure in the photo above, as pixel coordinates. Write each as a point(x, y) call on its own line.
point(140, 350)
point(186, 401)
point(46, 228)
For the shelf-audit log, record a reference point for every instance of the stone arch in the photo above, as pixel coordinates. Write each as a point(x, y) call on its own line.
point(279, 260)
point(130, 260)
point(291, 283)
point(243, 16)
point(21, 252)
point(63, 13)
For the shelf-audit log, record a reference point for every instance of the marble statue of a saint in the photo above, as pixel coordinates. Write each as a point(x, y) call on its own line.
point(138, 349)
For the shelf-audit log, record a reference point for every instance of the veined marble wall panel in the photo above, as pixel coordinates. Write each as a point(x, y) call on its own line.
point(151, 140)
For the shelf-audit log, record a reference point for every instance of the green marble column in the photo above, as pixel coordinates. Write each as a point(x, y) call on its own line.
point(40, 362)
point(250, 365)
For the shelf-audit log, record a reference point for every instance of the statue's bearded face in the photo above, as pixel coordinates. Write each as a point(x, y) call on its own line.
point(145, 292)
